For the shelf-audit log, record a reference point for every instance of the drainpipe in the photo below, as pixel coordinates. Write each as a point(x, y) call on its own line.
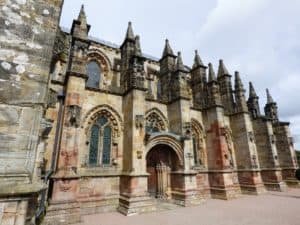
point(54, 159)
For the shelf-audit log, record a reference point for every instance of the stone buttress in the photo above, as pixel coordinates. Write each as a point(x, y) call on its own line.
point(244, 140)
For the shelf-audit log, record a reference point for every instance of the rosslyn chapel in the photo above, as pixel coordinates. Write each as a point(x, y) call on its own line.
point(87, 126)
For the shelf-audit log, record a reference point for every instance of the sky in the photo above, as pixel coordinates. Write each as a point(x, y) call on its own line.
point(258, 38)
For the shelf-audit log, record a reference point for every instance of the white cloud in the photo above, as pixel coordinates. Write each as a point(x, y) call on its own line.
point(231, 12)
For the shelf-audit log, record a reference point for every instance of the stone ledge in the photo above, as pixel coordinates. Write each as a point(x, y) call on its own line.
point(21, 189)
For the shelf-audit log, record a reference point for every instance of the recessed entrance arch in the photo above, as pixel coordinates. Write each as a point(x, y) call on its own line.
point(162, 160)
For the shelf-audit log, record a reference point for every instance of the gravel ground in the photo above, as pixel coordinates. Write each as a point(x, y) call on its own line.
point(272, 208)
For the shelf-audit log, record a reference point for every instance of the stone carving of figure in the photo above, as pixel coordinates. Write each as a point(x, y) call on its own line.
point(228, 138)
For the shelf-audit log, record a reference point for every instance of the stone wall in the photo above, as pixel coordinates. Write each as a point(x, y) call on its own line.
point(27, 32)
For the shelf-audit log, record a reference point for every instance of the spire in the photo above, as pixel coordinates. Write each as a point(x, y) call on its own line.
point(222, 69)
point(137, 47)
point(238, 81)
point(252, 93)
point(197, 61)
point(167, 50)
point(129, 32)
point(82, 16)
point(211, 73)
point(180, 65)
point(269, 97)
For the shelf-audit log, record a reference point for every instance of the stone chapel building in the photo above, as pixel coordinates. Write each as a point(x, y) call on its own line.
point(114, 129)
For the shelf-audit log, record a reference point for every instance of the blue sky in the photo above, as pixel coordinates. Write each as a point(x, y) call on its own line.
point(259, 38)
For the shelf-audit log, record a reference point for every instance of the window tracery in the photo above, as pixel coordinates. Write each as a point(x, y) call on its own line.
point(155, 122)
point(100, 142)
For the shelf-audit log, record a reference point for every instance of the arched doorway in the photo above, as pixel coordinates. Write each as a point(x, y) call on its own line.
point(162, 160)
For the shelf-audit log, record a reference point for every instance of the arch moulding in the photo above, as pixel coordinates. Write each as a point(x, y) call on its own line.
point(168, 140)
point(108, 111)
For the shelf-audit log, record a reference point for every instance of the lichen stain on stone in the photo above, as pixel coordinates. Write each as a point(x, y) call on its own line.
point(33, 45)
point(21, 2)
point(6, 54)
point(25, 14)
point(6, 65)
point(20, 69)
point(21, 59)
point(12, 17)
point(39, 20)
point(46, 12)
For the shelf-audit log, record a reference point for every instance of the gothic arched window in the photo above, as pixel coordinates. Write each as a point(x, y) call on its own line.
point(94, 74)
point(100, 142)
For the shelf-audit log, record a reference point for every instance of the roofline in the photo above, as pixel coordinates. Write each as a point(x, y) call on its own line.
point(110, 44)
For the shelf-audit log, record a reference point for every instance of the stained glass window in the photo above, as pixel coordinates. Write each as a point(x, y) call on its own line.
point(195, 150)
point(94, 142)
point(94, 73)
point(106, 145)
point(102, 121)
point(100, 143)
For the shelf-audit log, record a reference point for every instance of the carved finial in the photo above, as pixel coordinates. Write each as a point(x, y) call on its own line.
point(211, 73)
point(252, 93)
point(269, 97)
point(129, 33)
point(197, 60)
point(180, 65)
point(82, 16)
point(222, 69)
point(167, 50)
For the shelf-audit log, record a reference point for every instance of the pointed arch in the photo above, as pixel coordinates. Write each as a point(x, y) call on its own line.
point(156, 121)
point(101, 58)
point(199, 147)
point(102, 126)
point(110, 113)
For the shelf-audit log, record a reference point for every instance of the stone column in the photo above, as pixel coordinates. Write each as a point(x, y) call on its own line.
point(134, 196)
point(184, 182)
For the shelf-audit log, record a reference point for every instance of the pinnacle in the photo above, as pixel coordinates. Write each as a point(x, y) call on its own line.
point(137, 48)
point(252, 93)
point(180, 65)
point(269, 97)
point(211, 73)
point(222, 69)
point(197, 60)
point(129, 33)
point(167, 50)
point(82, 16)
point(238, 81)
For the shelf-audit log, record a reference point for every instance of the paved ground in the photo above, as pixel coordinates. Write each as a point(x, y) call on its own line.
point(273, 208)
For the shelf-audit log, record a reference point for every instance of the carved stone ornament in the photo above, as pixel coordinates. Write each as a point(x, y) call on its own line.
point(139, 121)
point(154, 122)
point(45, 127)
point(73, 116)
point(251, 136)
point(61, 46)
point(187, 129)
